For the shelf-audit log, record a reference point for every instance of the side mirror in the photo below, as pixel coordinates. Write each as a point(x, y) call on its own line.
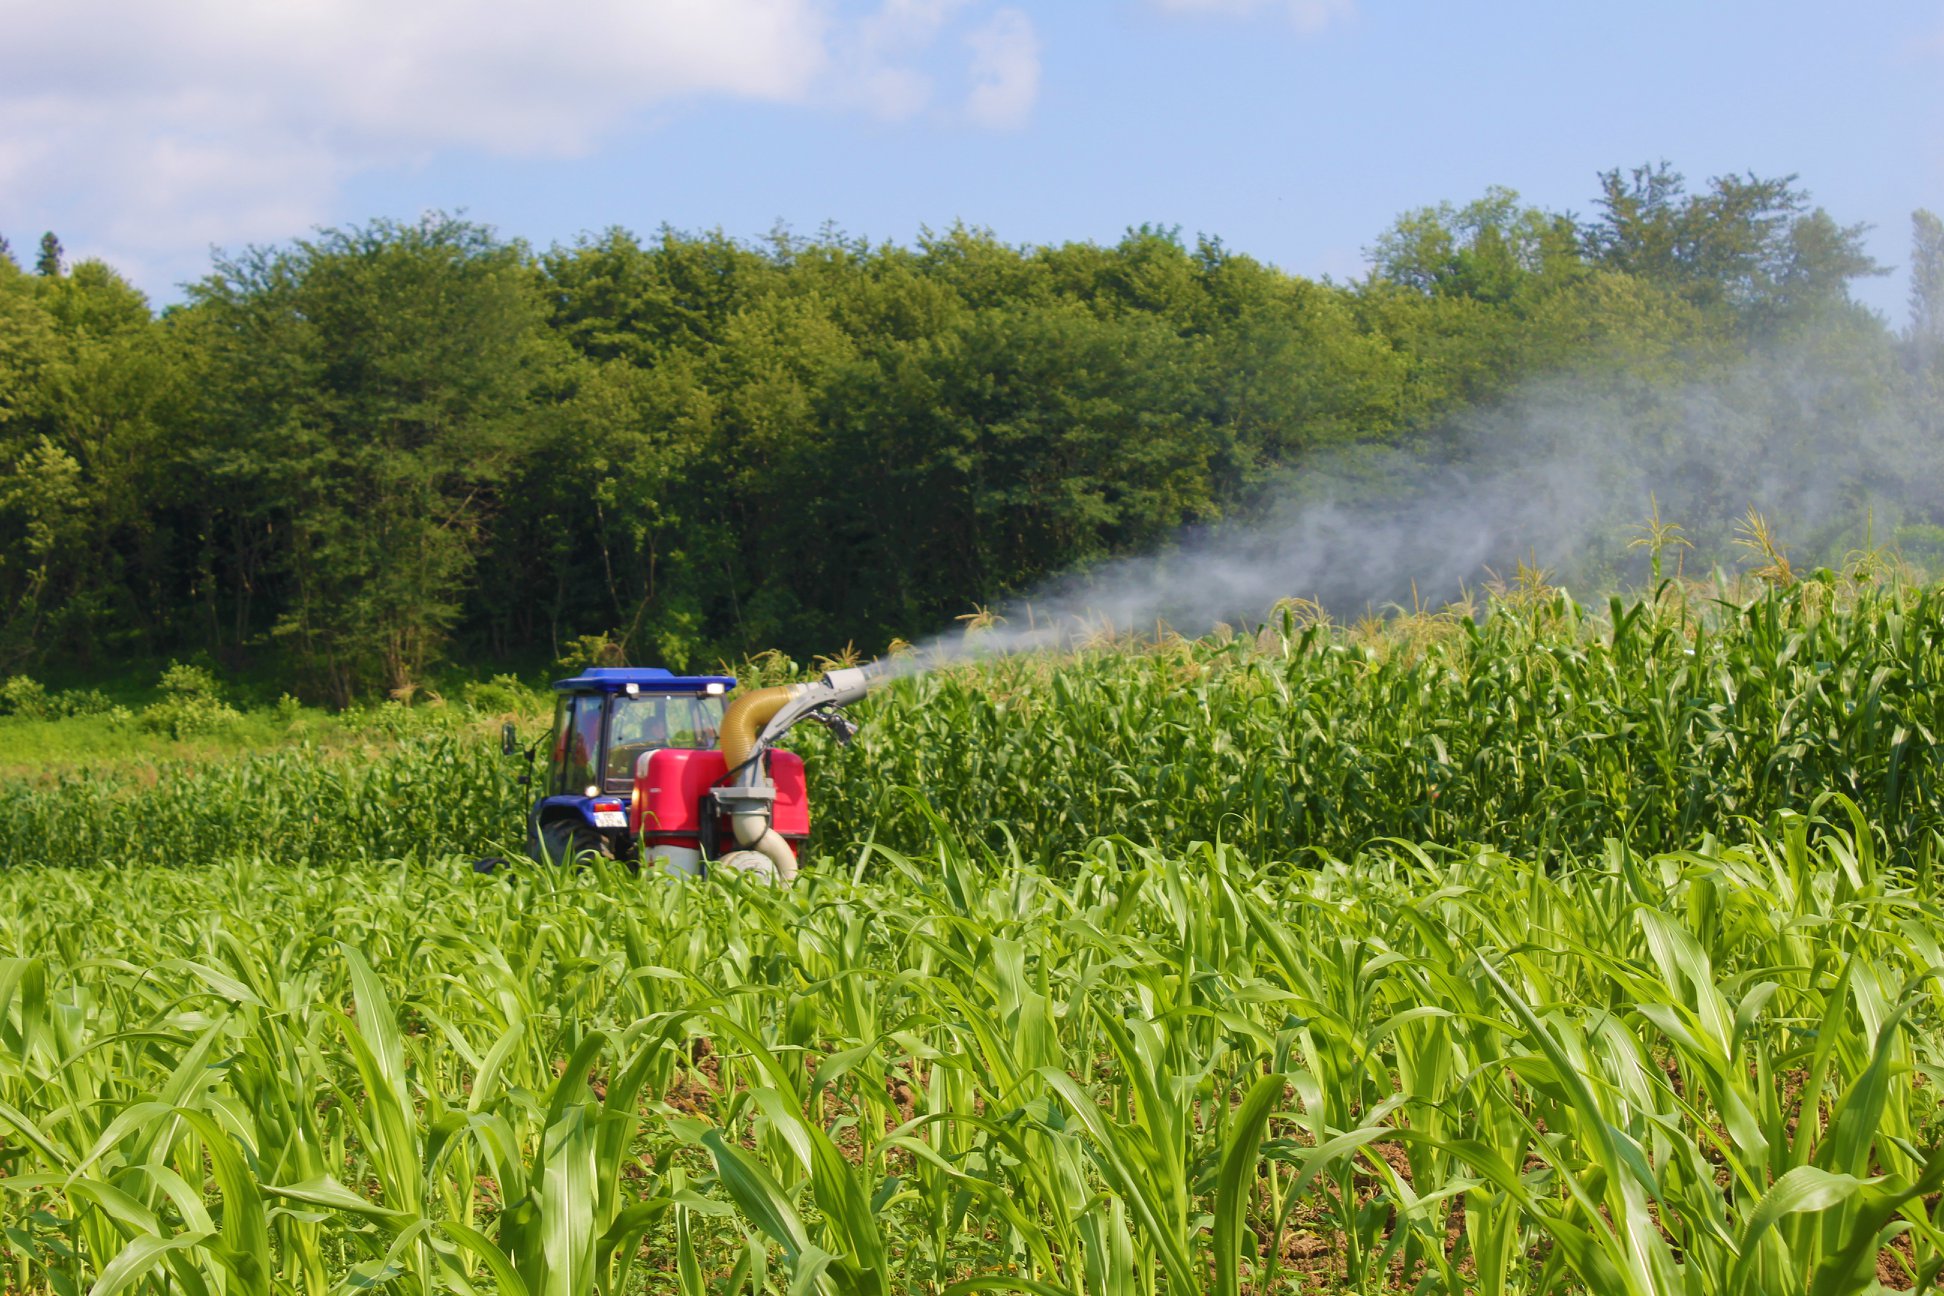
point(509, 741)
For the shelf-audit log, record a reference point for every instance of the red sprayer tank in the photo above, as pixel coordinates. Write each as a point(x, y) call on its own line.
point(665, 812)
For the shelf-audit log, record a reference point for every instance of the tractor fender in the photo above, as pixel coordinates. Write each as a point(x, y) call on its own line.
point(556, 815)
point(577, 808)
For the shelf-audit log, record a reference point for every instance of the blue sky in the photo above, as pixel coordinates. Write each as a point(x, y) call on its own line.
point(1296, 130)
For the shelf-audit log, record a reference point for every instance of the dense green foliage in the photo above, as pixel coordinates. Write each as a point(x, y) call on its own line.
point(347, 457)
point(1439, 1071)
point(1540, 728)
point(435, 790)
point(1537, 729)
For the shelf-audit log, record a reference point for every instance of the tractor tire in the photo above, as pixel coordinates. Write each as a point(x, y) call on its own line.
point(564, 841)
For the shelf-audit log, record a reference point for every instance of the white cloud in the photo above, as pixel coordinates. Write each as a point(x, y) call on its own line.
point(154, 129)
point(1308, 16)
point(368, 76)
point(876, 72)
point(1005, 70)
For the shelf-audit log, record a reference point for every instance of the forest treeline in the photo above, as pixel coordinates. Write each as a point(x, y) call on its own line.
point(353, 456)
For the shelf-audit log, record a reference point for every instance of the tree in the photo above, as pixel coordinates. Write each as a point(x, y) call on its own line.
point(1924, 338)
point(26, 343)
point(374, 387)
point(1487, 250)
point(48, 263)
point(6, 250)
point(1925, 335)
point(44, 517)
point(88, 400)
point(1283, 370)
point(1750, 250)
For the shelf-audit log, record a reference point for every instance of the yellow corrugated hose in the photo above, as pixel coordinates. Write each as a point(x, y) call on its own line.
point(741, 724)
point(745, 719)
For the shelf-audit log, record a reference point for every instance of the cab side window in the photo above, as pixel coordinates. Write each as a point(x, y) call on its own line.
point(578, 746)
point(557, 753)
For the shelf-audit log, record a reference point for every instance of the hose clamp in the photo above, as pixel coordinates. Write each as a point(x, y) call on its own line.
point(745, 800)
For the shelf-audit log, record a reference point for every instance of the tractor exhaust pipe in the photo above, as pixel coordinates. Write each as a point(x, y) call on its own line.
point(756, 720)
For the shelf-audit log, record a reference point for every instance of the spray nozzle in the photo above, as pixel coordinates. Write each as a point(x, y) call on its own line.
point(853, 682)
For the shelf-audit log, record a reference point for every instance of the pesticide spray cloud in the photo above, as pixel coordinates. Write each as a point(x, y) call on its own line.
point(1825, 439)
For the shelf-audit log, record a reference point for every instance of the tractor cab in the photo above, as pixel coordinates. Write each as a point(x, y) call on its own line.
point(605, 720)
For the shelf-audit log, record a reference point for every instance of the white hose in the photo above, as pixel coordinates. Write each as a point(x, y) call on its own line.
point(753, 832)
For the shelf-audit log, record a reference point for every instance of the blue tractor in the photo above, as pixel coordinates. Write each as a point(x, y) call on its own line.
point(651, 767)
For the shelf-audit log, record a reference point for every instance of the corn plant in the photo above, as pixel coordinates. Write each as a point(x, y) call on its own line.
point(1419, 1068)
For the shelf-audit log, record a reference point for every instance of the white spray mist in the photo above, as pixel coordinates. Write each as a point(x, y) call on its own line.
point(1822, 437)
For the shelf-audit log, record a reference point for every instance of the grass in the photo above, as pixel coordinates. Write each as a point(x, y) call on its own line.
point(193, 720)
point(42, 750)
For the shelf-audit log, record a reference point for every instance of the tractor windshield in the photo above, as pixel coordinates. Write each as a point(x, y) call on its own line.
point(641, 724)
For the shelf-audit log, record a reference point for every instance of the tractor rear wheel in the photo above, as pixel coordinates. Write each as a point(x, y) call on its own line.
point(564, 841)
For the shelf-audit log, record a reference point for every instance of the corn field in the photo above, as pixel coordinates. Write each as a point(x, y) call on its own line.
point(1538, 729)
point(1542, 954)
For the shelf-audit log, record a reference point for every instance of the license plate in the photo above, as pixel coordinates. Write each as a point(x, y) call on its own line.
point(610, 819)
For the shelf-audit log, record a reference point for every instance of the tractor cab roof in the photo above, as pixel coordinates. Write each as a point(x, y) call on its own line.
point(645, 679)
